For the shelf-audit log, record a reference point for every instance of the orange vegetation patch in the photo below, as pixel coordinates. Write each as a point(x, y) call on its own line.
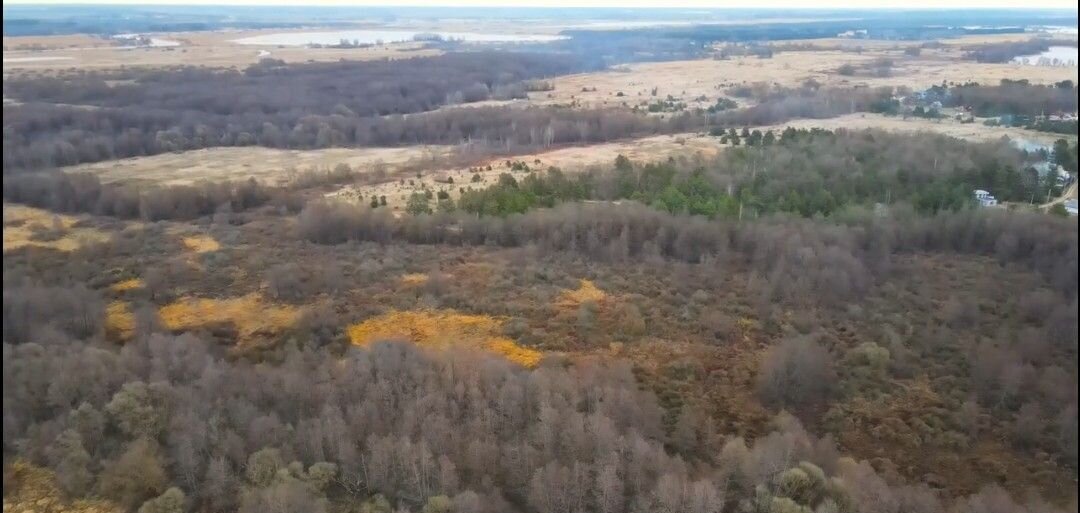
point(201, 243)
point(127, 285)
point(28, 488)
point(119, 321)
point(586, 291)
point(443, 329)
point(251, 315)
point(512, 351)
point(414, 279)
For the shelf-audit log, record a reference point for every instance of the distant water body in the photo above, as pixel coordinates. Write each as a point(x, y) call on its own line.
point(368, 37)
point(1053, 56)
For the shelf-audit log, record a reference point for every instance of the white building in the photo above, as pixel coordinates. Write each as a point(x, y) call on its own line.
point(984, 198)
point(1070, 206)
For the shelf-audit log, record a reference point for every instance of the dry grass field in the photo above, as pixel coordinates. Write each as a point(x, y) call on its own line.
point(69, 41)
point(27, 226)
point(570, 159)
point(215, 49)
point(700, 82)
point(434, 164)
point(251, 316)
point(264, 164)
point(415, 169)
point(968, 131)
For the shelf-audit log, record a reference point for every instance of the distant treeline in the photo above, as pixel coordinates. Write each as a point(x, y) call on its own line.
point(102, 19)
point(680, 42)
point(272, 88)
point(84, 192)
point(99, 116)
point(45, 136)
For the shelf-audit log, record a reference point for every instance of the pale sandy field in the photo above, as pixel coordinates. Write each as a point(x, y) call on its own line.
point(53, 42)
point(969, 131)
point(268, 165)
point(214, 49)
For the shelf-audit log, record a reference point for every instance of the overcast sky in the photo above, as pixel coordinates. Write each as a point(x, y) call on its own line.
point(909, 4)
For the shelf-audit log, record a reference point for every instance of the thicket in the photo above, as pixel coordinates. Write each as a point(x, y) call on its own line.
point(776, 104)
point(1012, 98)
point(844, 252)
point(166, 420)
point(84, 193)
point(1007, 51)
point(271, 87)
point(44, 136)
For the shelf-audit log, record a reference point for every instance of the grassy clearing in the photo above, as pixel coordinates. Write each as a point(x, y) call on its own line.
point(414, 279)
point(700, 82)
point(977, 131)
point(267, 165)
point(443, 329)
point(32, 489)
point(27, 226)
point(127, 285)
point(571, 159)
point(251, 315)
point(119, 321)
point(212, 48)
point(201, 243)
point(587, 291)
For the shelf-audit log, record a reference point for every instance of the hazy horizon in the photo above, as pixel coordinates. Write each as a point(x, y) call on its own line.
point(648, 4)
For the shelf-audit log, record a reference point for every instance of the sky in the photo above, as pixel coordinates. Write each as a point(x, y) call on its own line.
point(773, 4)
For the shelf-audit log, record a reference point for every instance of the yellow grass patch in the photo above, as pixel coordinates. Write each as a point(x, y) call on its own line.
point(33, 489)
point(586, 291)
point(119, 321)
point(201, 243)
point(443, 329)
point(250, 314)
point(512, 351)
point(127, 285)
point(414, 279)
point(21, 223)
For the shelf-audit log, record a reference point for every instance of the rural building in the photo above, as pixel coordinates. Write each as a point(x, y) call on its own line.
point(984, 198)
point(1070, 206)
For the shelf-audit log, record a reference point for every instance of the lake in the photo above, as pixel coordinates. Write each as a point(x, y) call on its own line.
point(1053, 56)
point(367, 37)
